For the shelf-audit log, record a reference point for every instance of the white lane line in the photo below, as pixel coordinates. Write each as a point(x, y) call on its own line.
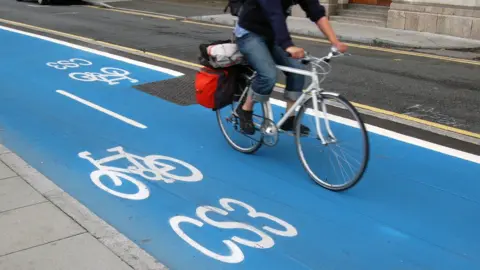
point(397, 136)
point(37, 6)
point(99, 108)
point(109, 55)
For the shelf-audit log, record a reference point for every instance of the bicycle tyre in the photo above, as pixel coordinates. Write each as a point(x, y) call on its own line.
point(246, 150)
point(360, 125)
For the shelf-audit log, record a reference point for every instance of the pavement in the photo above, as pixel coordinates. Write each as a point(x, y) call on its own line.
point(43, 227)
point(212, 12)
point(377, 36)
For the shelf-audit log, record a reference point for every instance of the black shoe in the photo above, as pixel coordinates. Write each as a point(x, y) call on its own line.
point(289, 125)
point(246, 122)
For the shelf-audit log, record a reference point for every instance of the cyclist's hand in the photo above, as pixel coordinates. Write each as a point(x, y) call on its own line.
point(341, 47)
point(296, 52)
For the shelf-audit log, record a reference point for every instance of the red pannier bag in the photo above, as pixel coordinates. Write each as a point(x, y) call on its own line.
point(207, 83)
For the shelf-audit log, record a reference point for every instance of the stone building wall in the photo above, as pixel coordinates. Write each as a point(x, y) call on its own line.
point(460, 18)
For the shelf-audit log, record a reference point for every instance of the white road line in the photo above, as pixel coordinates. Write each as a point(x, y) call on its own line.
point(99, 108)
point(400, 137)
point(36, 6)
point(109, 55)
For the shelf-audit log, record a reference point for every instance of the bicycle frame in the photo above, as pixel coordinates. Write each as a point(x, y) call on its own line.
point(310, 92)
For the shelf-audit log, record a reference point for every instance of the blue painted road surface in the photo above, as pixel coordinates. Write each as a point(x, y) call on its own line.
point(164, 176)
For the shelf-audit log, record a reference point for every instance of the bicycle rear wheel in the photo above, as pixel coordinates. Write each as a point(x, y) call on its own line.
point(230, 126)
point(347, 147)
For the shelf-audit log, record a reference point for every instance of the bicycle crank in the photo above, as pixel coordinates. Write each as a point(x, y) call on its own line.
point(270, 132)
point(264, 126)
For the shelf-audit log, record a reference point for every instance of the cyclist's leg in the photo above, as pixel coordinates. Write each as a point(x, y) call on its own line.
point(257, 53)
point(295, 82)
point(294, 87)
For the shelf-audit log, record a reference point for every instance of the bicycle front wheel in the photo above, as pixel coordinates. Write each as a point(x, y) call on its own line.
point(340, 162)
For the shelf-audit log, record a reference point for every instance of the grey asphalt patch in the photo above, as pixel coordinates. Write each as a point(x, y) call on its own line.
point(180, 91)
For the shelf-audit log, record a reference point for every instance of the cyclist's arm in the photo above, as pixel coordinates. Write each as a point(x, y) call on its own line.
point(316, 13)
point(326, 28)
point(274, 11)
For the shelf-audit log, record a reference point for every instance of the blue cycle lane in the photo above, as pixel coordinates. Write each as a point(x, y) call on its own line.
point(415, 208)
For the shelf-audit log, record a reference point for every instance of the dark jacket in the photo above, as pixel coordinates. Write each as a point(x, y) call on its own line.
point(268, 17)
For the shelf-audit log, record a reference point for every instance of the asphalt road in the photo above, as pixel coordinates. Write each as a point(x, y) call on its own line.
point(185, 8)
point(435, 90)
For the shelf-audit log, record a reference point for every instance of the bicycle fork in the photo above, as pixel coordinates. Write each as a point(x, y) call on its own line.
point(331, 138)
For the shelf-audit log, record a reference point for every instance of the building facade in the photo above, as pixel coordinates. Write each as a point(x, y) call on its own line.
point(460, 18)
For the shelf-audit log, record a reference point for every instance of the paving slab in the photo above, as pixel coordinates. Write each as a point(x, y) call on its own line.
point(81, 252)
point(104, 233)
point(28, 173)
point(16, 193)
point(3, 150)
point(34, 225)
point(5, 171)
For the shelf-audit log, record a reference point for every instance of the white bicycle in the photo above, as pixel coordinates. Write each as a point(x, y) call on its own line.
point(156, 168)
point(335, 125)
point(110, 75)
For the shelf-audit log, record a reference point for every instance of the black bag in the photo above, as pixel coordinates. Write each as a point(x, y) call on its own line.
point(225, 93)
point(235, 6)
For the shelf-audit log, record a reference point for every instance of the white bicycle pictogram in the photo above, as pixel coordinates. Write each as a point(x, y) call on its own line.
point(155, 169)
point(109, 75)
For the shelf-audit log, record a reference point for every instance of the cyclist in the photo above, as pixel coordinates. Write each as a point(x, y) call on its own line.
point(262, 37)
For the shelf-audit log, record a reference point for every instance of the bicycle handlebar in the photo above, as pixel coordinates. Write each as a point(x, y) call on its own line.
point(309, 58)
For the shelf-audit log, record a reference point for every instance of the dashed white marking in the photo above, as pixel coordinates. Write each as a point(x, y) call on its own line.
point(101, 109)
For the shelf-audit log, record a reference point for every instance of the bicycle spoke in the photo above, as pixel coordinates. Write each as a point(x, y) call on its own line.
point(346, 154)
point(344, 159)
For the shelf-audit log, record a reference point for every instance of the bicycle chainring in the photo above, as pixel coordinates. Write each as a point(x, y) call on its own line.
point(270, 132)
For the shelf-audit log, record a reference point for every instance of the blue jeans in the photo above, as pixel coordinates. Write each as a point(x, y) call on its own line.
point(263, 57)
